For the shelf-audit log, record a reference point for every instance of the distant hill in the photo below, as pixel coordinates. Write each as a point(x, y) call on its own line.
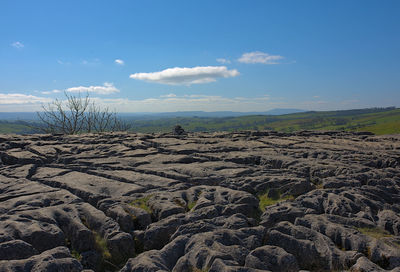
point(18, 116)
point(376, 120)
point(206, 114)
point(33, 116)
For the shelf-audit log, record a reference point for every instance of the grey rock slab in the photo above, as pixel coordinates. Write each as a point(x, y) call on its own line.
point(56, 259)
point(158, 260)
point(201, 208)
point(271, 258)
point(90, 187)
point(16, 249)
point(18, 156)
point(311, 248)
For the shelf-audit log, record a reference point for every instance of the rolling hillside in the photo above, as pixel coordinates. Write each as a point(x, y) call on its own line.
point(376, 120)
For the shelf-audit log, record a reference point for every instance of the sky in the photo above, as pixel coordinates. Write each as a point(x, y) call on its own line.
point(225, 55)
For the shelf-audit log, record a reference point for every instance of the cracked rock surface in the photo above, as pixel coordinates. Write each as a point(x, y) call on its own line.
point(244, 201)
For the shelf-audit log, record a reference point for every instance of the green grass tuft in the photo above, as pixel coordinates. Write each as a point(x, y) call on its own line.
point(265, 201)
point(377, 233)
point(101, 246)
point(191, 204)
point(142, 203)
point(76, 255)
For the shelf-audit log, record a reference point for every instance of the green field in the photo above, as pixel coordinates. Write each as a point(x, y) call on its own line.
point(377, 120)
point(17, 127)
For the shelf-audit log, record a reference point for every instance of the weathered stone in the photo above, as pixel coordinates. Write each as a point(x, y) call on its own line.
point(190, 203)
point(15, 250)
point(272, 258)
point(56, 259)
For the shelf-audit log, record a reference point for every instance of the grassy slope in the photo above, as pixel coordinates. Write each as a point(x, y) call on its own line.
point(378, 121)
point(17, 127)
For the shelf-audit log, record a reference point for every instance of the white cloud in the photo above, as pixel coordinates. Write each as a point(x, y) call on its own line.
point(51, 92)
point(107, 88)
point(19, 99)
point(169, 95)
point(63, 62)
point(119, 62)
point(259, 57)
point(172, 103)
point(17, 45)
point(93, 62)
point(187, 76)
point(223, 61)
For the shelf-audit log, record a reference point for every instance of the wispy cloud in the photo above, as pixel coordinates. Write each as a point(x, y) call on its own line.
point(169, 95)
point(193, 102)
point(119, 62)
point(223, 61)
point(51, 92)
point(187, 76)
point(92, 62)
point(259, 57)
point(20, 99)
point(63, 62)
point(107, 88)
point(17, 45)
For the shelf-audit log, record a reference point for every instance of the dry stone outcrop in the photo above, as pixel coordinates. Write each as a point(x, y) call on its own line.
point(239, 202)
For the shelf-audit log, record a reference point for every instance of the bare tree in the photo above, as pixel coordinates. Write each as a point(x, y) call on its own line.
point(78, 114)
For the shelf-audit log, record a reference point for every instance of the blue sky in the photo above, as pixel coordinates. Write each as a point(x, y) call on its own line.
point(157, 56)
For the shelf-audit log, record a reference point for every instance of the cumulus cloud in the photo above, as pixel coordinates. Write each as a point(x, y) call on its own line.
point(107, 88)
point(187, 76)
point(223, 61)
point(19, 99)
point(119, 62)
point(259, 57)
point(17, 45)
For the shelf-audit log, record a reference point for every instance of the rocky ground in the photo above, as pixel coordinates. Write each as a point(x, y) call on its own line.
point(248, 201)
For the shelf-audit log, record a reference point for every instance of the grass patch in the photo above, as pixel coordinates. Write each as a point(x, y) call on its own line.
point(101, 246)
point(191, 204)
point(107, 262)
point(377, 233)
point(76, 255)
point(142, 203)
point(268, 201)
